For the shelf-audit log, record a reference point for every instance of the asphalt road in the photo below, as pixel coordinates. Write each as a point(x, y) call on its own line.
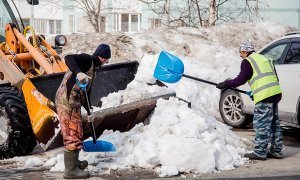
point(287, 168)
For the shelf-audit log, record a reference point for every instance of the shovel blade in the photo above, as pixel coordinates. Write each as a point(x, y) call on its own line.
point(169, 68)
point(99, 146)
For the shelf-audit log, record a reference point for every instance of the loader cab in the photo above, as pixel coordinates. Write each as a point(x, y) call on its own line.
point(7, 16)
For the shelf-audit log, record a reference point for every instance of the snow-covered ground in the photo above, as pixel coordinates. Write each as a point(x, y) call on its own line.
point(178, 139)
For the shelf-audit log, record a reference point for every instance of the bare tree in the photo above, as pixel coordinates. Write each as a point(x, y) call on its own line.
point(93, 9)
point(212, 13)
point(201, 13)
point(198, 11)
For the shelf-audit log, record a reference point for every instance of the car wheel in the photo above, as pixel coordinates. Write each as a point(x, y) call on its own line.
point(230, 106)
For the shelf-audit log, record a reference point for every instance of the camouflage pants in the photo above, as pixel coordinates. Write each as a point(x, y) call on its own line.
point(267, 129)
point(69, 112)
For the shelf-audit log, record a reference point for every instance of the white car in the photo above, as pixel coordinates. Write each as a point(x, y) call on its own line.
point(237, 109)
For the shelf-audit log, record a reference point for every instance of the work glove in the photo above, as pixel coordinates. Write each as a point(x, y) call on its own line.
point(82, 78)
point(252, 97)
point(250, 94)
point(91, 117)
point(221, 85)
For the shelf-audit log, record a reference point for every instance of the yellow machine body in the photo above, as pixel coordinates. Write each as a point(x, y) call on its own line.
point(22, 60)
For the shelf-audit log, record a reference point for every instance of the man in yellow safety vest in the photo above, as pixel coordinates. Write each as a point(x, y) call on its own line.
point(261, 76)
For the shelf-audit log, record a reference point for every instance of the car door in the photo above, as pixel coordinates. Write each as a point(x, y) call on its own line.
point(278, 52)
point(288, 71)
point(289, 79)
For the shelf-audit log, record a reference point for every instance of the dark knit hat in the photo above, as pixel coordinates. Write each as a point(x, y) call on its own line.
point(103, 50)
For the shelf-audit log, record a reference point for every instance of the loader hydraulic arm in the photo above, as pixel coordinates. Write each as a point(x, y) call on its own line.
point(22, 52)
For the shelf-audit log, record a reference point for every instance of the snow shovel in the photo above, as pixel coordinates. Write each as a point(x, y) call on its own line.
point(170, 68)
point(95, 145)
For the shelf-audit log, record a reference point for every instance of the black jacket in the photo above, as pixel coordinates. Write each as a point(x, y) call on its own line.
point(80, 63)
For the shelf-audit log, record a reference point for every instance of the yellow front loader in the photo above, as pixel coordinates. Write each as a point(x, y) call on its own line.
point(20, 60)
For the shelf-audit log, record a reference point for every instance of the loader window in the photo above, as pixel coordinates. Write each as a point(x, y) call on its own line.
point(4, 19)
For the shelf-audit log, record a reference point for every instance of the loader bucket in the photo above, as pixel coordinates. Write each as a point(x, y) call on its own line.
point(108, 79)
point(124, 117)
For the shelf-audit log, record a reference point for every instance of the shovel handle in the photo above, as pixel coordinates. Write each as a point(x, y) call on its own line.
point(83, 88)
point(93, 132)
point(212, 83)
point(89, 113)
point(198, 79)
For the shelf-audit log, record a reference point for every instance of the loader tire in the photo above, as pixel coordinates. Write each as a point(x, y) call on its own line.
point(16, 135)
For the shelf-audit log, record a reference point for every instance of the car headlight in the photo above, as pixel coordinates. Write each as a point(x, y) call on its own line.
point(60, 40)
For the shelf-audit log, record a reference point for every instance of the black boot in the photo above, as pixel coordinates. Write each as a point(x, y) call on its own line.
point(274, 155)
point(72, 170)
point(82, 164)
point(253, 156)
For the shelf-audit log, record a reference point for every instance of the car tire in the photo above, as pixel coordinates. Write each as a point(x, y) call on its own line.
point(230, 106)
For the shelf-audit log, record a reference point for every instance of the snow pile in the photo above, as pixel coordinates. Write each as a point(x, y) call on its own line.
point(178, 139)
point(184, 41)
point(121, 44)
point(33, 162)
point(135, 91)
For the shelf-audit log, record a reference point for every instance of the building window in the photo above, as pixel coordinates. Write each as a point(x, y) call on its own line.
point(71, 23)
point(124, 22)
point(51, 27)
point(37, 25)
point(58, 27)
point(134, 23)
point(115, 24)
point(41, 26)
point(155, 23)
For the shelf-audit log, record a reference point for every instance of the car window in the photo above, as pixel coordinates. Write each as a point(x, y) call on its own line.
point(293, 54)
point(274, 53)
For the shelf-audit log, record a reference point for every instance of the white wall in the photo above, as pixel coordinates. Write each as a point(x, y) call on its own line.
point(44, 10)
point(286, 12)
point(50, 10)
point(115, 8)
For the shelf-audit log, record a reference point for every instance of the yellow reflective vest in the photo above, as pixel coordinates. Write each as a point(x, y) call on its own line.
point(264, 82)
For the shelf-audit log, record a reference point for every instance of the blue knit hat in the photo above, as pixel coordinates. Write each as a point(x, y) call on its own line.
point(103, 50)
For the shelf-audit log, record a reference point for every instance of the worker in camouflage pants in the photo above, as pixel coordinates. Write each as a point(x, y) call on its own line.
point(69, 111)
point(260, 73)
point(69, 99)
point(266, 124)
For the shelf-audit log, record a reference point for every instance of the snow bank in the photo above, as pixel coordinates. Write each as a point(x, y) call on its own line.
point(179, 139)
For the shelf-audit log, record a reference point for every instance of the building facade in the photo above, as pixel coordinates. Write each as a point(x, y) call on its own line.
point(49, 17)
point(62, 17)
point(286, 12)
point(117, 15)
